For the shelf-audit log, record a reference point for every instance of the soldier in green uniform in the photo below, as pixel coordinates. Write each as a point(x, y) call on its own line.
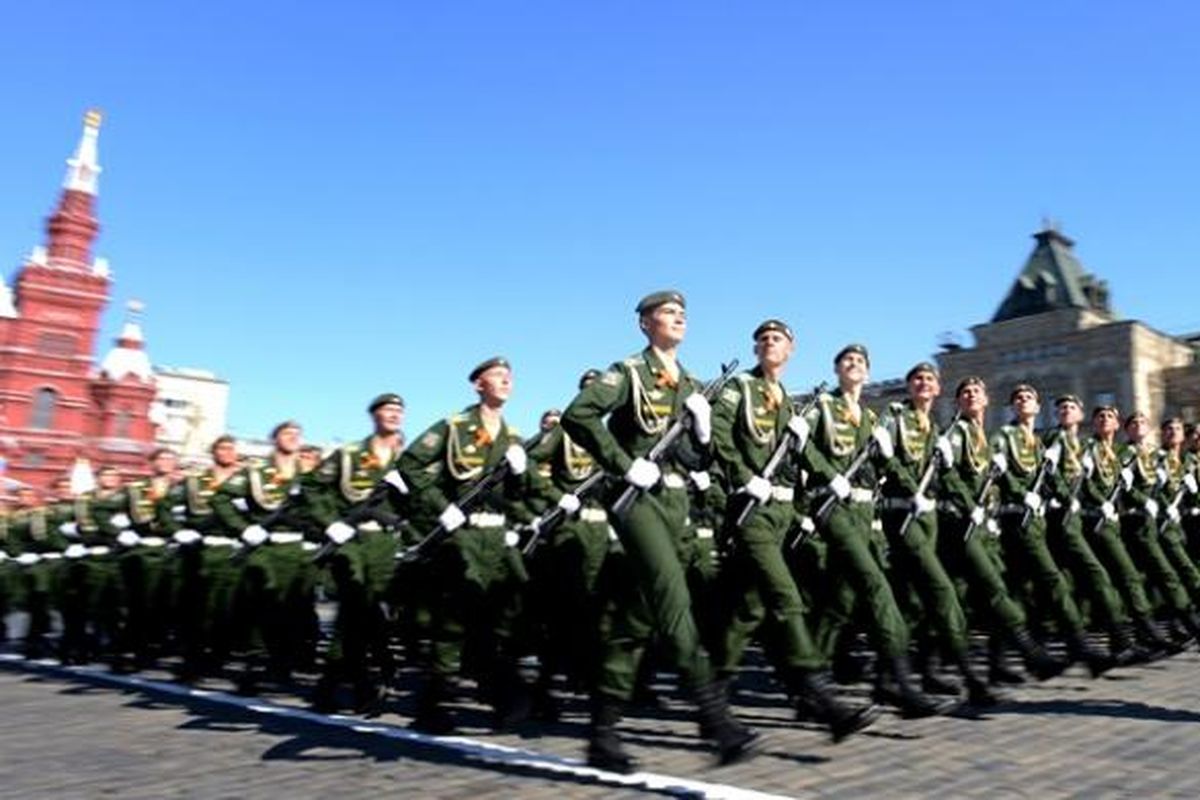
point(1101, 521)
point(1176, 483)
point(841, 429)
point(1191, 506)
point(273, 602)
point(976, 561)
point(915, 567)
point(750, 418)
point(1139, 510)
point(618, 418)
point(477, 573)
point(36, 546)
point(364, 560)
point(1023, 544)
point(1064, 530)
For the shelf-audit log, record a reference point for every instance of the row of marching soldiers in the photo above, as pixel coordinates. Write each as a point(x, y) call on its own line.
point(656, 523)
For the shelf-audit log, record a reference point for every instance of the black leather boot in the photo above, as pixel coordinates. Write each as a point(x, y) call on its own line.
point(817, 700)
point(998, 670)
point(432, 715)
point(733, 740)
point(914, 704)
point(1040, 664)
point(978, 693)
point(1124, 649)
point(1152, 639)
point(1080, 649)
point(604, 749)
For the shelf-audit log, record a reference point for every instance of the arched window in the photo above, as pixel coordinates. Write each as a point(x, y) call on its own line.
point(42, 414)
point(121, 428)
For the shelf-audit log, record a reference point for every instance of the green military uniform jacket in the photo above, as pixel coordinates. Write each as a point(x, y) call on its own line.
point(836, 438)
point(149, 505)
point(562, 465)
point(1145, 476)
point(1106, 473)
point(914, 437)
point(35, 530)
point(750, 416)
point(251, 495)
point(342, 480)
point(961, 481)
point(1024, 451)
point(1070, 465)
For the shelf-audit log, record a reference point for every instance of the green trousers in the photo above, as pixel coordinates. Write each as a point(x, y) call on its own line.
point(361, 570)
point(979, 573)
point(649, 532)
point(1171, 536)
point(1110, 549)
point(1072, 551)
point(759, 590)
point(858, 578)
point(1033, 569)
point(1140, 535)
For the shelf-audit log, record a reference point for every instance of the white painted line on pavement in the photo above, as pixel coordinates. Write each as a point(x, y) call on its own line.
point(488, 752)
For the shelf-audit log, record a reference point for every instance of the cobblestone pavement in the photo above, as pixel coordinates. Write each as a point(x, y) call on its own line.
point(73, 733)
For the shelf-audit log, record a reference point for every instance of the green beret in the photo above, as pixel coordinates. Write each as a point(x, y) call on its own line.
point(1022, 387)
point(1068, 398)
point(853, 348)
point(656, 299)
point(1098, 410)
point(774, 325)
point(494, 361)
point(924, 366)
point(1135, 415)
point(385, 399)
point(287, 423)
point(588, 376)
point(970, 380)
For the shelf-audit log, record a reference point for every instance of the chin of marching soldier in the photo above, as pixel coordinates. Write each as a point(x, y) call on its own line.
point(476, 570)
point(619, 418)
point(753, 421)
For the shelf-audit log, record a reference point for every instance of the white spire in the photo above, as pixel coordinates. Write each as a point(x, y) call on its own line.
point(7, 309)
point(128, 357)
point(82, 479)
point(82, 168)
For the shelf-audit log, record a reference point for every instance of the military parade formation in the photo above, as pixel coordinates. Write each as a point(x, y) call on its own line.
point(656, 524)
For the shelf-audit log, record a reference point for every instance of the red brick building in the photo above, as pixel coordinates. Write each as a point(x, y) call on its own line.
point(56, 405)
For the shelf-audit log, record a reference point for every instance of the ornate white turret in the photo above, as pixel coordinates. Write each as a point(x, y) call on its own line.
point(7, 309)
point(83, 170)
point(129, 357)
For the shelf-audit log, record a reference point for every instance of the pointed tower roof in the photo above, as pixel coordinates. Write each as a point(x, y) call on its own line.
point(83, 170)
point(72, 228)
point(1051, 279)
point(129, 356)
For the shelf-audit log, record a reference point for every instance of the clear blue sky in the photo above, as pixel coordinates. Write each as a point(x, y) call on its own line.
point(323, 204)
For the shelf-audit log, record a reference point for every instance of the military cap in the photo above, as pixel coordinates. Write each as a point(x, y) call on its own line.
point(158, 451)
point(224, 438)
point(656, 299)
point(1169, 421)
point(1135, 415)
point(1068, 398)
point(287, 423)
point(1098, 410)
point(385, 399)
point(970, 380)
point(924, 366)
point(861, 349)
point(774, 325)
point(494, 361)
point(588, 376)
point(1022, 387)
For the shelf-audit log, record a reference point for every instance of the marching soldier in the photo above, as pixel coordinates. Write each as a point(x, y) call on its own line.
point(618, 418)
point(750, 418)
point(35, 545)
point(842, 431)
point(1191, 506)
point(477, 572)
point(1176, 483)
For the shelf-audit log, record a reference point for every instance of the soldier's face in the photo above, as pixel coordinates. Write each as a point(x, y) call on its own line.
point(549, 422)
point(495, 385)
point(225, 454)
point(1025, 404)
point(287, 441)
point(924, 386)
point(852, 369)
point(1172, 434)
point(389, 418)
point(62, 490)
point(665, 325)
point(1194, 440)
point(309, 459)
point(1069, 414)
point(973, 400)
point(1137, 428)
point(773, 349)
point(165, 463)
point(109, 479)
point(26, 498)
point(1105, 423)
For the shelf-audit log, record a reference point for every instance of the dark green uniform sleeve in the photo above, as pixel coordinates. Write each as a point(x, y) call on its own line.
point(725, 416)
point(237, 487)
point(421, 467)
point(583, 420)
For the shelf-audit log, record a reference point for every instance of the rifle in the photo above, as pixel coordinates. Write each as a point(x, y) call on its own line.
point(747, 503)
point(935, 461)
point(554, 517)
point(1087, 464)
point(682, 423)
point(1048, 464)
point(1114, 494)
point(996, 469)
point(363, 510)
point(478, 490)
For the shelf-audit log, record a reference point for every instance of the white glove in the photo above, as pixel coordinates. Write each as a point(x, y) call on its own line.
point(923, 505)
point(883, 440)
point(254, 535)
point(1075, 505)
point(1127, 478)
point(1033, 501)
point(840, 486)
point(701, 412)
point(807, 525)
point(759, 488)
point(569, 503)
point(800, 429)
point(394, 479)
point(186, 537)
point(241, 504)
point(1161, 474)
point(1053, 454)
point(3, 556)
point(128, 538)
point(516, 458)
point(338, 532)
point(702, 480)
point(978, 515)
point(71, 529)
point(1089, 464)
point(512, 538)
point(643, 473)
point(119, 520)
point(28, 559)
point(1173, 514)
point(945, 450)
point(1109, 511)
point(452, 518)
point(75, 551)
point(1189, 481)
point(1000, 462)
point(1152, 507)
point(993, 527)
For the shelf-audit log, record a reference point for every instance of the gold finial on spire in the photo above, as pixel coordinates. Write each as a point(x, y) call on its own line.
point(93, 118)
